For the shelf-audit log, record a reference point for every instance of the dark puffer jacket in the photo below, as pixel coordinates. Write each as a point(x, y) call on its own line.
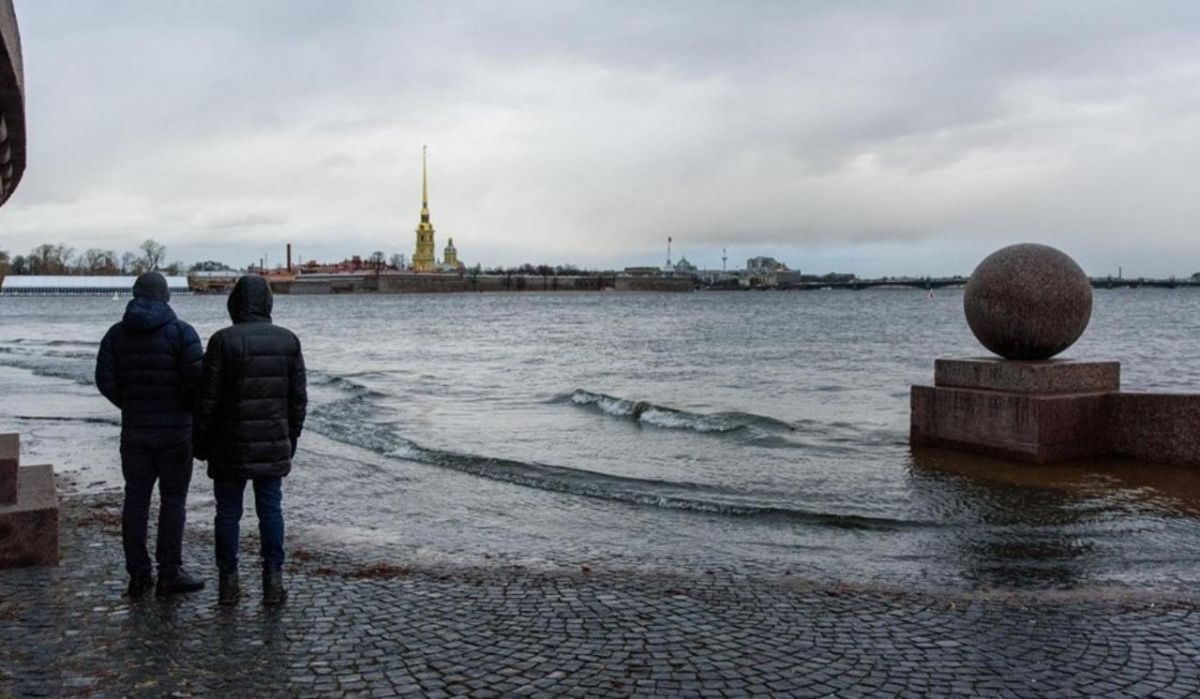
point(253, 397)
point(149, 367)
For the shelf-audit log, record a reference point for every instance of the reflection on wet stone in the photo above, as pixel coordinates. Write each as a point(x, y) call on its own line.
point(1005, 535)
point(487, 631)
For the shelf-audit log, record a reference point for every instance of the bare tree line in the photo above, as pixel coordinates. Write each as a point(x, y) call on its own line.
point(48, 259)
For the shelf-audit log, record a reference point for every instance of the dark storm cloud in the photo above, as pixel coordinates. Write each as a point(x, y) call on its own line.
point(591, 131)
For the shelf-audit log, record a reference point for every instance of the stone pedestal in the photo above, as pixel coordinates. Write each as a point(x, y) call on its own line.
point(29, 519)
point(10, 459)
point(1161, 428)
point(1038, 411)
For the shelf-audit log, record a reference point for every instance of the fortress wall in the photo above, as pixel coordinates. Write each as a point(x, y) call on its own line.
point(453, 283)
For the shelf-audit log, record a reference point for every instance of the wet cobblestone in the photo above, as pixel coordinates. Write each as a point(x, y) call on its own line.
point(503, 631)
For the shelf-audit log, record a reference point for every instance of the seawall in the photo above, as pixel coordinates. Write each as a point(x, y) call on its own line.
point(394, 283)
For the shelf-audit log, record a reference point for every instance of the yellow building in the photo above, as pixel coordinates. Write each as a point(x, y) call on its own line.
point(423, 259)
point(450, 256)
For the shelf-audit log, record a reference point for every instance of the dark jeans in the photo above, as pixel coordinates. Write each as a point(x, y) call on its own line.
point(268, 499)
point(165, 456)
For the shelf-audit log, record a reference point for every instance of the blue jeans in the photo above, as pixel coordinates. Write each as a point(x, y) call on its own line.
point(268, 499)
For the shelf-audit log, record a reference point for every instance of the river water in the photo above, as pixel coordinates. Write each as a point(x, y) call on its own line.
point(759, 432)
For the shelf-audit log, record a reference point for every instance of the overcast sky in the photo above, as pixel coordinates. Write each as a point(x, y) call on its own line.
point(879, 138)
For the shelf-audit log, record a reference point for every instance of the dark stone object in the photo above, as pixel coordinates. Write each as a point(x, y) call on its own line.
point(29, 528)
point(1048, 377)
point(1052, 411)
point(1158, 427)
point(1030, 411)
point(1028, 302)
point(10, 458)
point(12, 103)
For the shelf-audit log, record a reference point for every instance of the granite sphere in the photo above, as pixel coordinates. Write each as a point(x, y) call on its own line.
point(1028, 301)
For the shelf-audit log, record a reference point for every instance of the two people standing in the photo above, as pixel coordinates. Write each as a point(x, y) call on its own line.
point(241, 408)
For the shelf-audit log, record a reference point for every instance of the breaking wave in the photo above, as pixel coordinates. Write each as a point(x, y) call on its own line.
point(354, 419)
point(672, 418)
point(84, 420)
point(78, 370)
point(341, 383)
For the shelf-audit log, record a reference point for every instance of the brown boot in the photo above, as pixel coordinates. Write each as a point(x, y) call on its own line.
point(229, 589)
point(273, 591)
point(177, 582)
point(140, 583)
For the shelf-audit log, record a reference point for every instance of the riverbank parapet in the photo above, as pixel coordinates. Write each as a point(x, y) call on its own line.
point(420, 283)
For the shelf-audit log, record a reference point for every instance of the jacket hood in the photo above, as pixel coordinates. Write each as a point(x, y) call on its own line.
point(144, 315)
point(251, 300)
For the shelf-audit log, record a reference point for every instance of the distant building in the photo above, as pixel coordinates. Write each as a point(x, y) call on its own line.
point(789, 277)
point(643, 271)
point(423, 259)
point(764, 265)
point(450, 261)
point(212, 281)
point(763, 271)
point(684, 267)
point(718, 278)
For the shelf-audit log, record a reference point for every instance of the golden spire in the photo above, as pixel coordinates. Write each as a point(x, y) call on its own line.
point(424, 189)
point(423, 257)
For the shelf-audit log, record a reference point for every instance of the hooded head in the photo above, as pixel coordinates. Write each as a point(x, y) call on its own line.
point(250, 301)
point(152, 286)
point(148, 310)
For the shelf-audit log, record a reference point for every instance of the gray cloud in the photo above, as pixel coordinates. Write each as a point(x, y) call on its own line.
point(590, 131)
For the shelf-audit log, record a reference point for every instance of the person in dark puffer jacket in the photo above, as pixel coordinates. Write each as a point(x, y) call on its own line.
point(249, 415)
point(149, 367)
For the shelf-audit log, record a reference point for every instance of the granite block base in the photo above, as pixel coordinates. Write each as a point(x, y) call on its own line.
point(1036, 428)
point(1039, 411)
point(29, 527)
point(10, 458)
point(1050, 376)
point(1161, 428)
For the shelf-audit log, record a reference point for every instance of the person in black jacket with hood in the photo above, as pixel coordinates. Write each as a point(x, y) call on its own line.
point(249, 415)
point(149, 367)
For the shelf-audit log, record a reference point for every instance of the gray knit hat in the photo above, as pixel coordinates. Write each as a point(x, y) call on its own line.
point(153, 286)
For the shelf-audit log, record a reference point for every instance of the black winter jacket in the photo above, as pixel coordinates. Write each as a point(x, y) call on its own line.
point(253, 397)
point(149, 367)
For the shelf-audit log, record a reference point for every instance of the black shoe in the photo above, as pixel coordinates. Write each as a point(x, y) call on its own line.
point(273, 592)
point(229, 589)
point(140, 584)
point(176, 582)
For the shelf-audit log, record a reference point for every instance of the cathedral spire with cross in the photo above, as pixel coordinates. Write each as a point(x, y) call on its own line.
point(423, 258)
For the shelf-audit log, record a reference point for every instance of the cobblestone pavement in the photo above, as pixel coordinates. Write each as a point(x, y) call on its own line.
point(501, 630)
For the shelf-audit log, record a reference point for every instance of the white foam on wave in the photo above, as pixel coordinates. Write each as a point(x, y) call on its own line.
point(661, 416)
point(618, 407)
